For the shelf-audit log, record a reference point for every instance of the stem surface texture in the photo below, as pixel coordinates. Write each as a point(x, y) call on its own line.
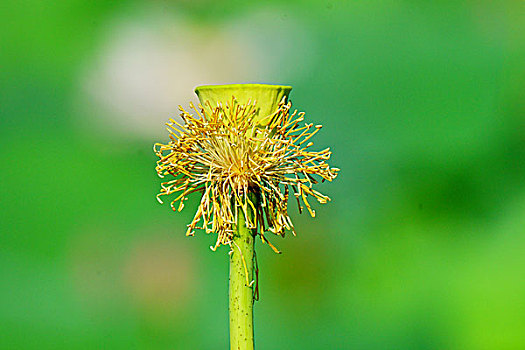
point(241, 295)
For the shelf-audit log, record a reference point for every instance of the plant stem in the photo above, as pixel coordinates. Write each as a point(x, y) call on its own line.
point(241, 272)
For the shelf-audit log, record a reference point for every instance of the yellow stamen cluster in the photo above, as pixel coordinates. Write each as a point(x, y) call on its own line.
point(239, 163)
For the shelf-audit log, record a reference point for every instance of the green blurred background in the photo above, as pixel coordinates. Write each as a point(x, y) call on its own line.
point(422, 246)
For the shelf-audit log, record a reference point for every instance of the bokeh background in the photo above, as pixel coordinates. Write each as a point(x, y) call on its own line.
point(422, 102)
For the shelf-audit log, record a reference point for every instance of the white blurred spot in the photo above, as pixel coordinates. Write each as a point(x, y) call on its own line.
point(148, 66)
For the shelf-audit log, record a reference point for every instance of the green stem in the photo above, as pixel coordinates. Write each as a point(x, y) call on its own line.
point(241, 295)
